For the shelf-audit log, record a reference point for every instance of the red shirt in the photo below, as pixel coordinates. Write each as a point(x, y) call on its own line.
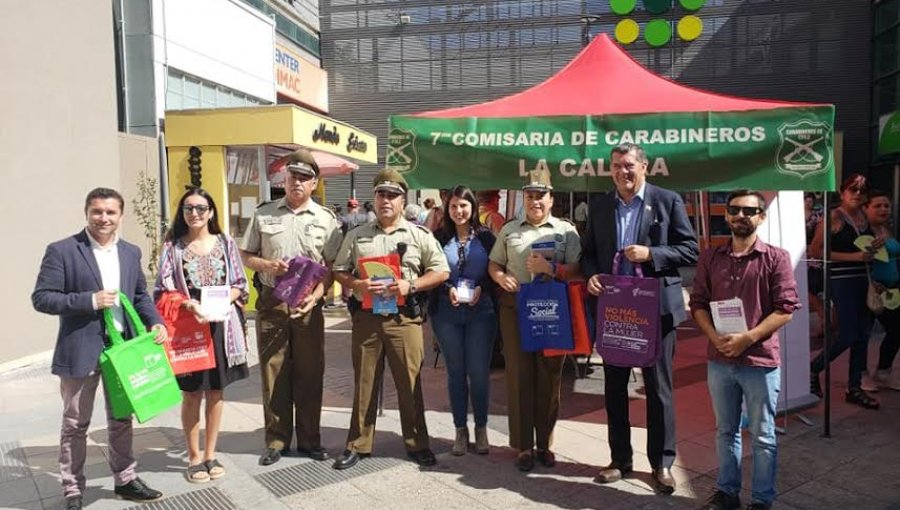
point(763, 279)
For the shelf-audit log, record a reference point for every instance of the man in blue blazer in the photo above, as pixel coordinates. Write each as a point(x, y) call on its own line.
point(650, 227)
point(80, 276)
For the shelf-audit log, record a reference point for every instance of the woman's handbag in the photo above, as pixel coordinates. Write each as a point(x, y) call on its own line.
point(874, 299)
point(544, 320)
point(136, 374)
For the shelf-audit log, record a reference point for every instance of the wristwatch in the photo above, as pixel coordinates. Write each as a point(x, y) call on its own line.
point(412, 287)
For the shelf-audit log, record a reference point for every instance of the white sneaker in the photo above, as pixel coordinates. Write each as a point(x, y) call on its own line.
point(887, 379)
point(869, 383)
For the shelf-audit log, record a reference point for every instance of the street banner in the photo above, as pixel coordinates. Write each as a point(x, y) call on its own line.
point(789, 148)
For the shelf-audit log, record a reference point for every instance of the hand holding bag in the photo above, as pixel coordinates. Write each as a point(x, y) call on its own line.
point(190, 345)
point(581, 322)
point(136, 374)
point(544, 319)
point(628, 318)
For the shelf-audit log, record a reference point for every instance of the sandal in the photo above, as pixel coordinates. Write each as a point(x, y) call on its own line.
point(197, 473)
point(861, 398)
point(214, 469)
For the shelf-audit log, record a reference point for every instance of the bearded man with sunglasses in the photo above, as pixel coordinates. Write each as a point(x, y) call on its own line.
point(743, 293)
point(291, 342)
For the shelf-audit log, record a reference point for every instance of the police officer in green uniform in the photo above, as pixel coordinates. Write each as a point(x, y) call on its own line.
point(532, 379)
point(397, 337)
point(291, 342)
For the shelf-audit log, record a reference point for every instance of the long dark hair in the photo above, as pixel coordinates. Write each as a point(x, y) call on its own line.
point(448, 227)
point(179, 227)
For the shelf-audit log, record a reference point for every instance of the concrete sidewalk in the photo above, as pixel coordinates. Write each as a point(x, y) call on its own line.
point(855, 469)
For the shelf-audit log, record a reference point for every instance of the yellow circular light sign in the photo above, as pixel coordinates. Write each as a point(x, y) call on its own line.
point(627, 31)
point(690, 28)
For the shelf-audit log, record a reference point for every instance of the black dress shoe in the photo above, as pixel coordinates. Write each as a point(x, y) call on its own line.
point(663, 480)
point(73, 503)
point(546, 457)
point(317, 453)
point(137, 490)
point(422, 457)
point(270, 456)
point(525, 461)
point(720, 500)
point(348, 459)
point(613, 472)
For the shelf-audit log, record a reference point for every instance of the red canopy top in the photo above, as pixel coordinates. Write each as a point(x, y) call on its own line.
point(604, 79)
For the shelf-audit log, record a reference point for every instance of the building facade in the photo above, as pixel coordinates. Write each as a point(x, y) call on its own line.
point(394, 57)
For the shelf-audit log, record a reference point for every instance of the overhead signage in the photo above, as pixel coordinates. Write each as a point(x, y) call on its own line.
point(300, 80)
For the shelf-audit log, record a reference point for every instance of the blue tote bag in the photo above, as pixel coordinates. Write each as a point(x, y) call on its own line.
point(544, 319)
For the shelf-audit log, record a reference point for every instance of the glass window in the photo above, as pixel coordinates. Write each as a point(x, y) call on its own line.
point(416, 75)
point(887, 13)
point(389, 77)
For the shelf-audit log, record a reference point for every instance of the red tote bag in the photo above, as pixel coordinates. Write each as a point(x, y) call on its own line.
point(190, 345)
point(581, 329)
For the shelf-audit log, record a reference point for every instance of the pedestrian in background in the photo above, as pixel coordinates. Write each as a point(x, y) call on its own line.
point(886, 276)
point(463, 316)
point(849, 285)
point(744, 360)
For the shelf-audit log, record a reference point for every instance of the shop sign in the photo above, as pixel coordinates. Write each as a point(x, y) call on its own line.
point(329, 135)
point(300, 80)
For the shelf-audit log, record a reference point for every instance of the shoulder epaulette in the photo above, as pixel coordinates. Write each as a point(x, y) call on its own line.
point(264, 203)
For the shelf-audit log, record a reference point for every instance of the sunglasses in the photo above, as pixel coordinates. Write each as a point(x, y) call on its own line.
point(749, 212)
point(201, 209)
point(856, 189)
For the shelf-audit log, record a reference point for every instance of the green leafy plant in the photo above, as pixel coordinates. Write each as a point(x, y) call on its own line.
point(147, 212)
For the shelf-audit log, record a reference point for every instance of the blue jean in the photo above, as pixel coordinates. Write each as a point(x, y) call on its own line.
point(729, 384)
point(854, 326)
point(466, 337)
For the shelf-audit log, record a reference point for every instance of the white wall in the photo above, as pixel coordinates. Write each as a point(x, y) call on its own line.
point(785, 226)
point(222, 41)
point(58, 140)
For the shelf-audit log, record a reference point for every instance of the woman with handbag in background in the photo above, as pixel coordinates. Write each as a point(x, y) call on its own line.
point(463, 315)
point(849, 286)
point(885, 276)
point(197, 254)
point(532, 379)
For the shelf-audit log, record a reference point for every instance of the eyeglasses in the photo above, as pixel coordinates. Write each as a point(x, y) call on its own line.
point(856, 189)
point(749, 212)
point(201, 209)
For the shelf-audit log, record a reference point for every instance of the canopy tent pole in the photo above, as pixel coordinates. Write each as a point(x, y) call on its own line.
point(826, 298)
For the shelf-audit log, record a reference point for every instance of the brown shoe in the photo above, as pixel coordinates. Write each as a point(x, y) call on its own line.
point(613, 472)
point(525, 461)
point(546, 458)
point(663, 481)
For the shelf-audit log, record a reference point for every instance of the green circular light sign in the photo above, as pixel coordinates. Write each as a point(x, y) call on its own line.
point(657, 6)
point(657, 32)
point(692, 5)
point(627, 31)
point(622, 7)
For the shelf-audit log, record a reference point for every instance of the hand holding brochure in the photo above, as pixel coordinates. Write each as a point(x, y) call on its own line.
point(728, 316)
point(381, 304)
point(865, 242)
point(386, 266)
point(215, 303)
point(465, 290)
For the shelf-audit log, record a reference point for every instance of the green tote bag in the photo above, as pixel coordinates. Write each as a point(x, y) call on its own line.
point(137, 374)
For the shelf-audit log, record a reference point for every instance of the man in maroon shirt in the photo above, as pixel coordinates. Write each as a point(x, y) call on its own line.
point(743, 293)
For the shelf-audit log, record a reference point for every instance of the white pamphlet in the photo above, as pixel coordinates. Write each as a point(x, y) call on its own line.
point(215, 303)
point(728, 316)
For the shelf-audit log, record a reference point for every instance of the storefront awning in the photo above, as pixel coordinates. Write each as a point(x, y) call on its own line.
point(269, 125)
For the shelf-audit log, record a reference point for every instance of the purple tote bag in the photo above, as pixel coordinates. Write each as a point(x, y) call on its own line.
point(301, 278)
point(628, 319)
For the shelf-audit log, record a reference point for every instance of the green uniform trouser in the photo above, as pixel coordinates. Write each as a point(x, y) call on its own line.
point(399, 339)
point(292, 364)
point(532, 385)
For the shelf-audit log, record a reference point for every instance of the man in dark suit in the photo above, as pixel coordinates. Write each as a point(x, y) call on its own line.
point(80, 277)
point(650, 227)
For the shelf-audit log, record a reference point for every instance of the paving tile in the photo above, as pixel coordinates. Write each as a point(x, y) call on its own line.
point(14, 492)
point(821, 495)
